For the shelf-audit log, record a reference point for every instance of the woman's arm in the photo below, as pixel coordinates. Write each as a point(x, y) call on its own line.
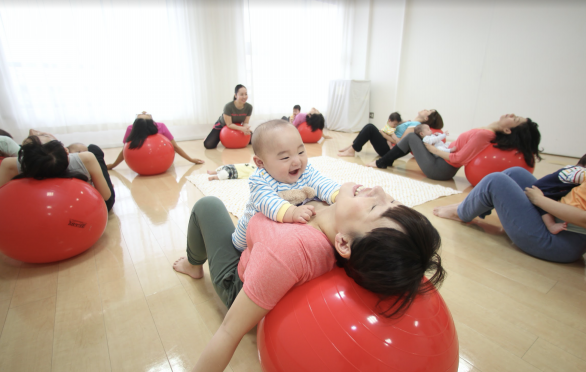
point(229, 124)
point(387, 137)
point(408, 130)
point(184, 155)
point(241, 318)
point(93, 167)
point(565, 212)
point(8, 170)
point(437, 152)
point(117, 161)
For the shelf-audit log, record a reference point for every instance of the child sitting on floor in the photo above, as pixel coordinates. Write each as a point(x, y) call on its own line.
point(282, 165)
point(557, 185)
point(436, 139)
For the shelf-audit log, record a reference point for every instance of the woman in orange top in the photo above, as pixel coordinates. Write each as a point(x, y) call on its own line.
point(515, 200)
point(508, 133)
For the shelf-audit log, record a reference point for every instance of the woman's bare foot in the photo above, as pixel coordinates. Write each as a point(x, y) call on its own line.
point(348, 151)
point(448, 211)
point(213, 178)
point(372, 164)
point(184, 267)
point(344, 149)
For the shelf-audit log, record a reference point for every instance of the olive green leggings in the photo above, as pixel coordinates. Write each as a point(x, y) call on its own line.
point(209, 237)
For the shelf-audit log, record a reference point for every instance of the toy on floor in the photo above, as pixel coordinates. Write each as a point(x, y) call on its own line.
point(50, 220)
point(155, 156)
point(332, 324)
point(234, 139)
point(307, 135)
point(491, 160)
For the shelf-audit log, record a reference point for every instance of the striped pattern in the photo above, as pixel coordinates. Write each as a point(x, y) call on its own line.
point(264, 199)
point(572, 174)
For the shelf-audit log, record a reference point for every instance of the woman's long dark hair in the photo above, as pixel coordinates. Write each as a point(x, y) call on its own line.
point(236, 91)
point(524, 138)
point(40, 161)
point(141, 129)
point(434, 120)
point(5, 133)
point(392, 263)
point(316, 121)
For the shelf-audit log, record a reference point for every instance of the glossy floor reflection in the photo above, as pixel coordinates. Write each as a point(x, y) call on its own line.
point(121, 307)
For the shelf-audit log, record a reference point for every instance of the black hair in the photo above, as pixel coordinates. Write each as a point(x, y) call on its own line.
point(434, 120)
point(582, 161)
point(418, 129)
point(392, 263)
point(141, 129)
point(5, 133)
point(40, 161)
point(297, 107)
point(236, 91)
point(315, 121)
point(395, 116)
point(524, 138)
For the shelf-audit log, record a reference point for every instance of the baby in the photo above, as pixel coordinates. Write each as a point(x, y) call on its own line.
point(557, 185)
point(424, 131)
point(282, 165)
point(232, 172)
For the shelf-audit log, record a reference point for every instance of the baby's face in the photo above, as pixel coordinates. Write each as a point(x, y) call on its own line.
point(295, 112)
point(283, 155)
point(426, 131)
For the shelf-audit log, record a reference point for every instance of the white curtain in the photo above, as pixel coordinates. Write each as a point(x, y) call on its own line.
point(296, 48)
point(82, 69)
point(348, 105)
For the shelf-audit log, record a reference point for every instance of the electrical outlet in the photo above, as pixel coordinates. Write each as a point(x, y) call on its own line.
point(371, 115)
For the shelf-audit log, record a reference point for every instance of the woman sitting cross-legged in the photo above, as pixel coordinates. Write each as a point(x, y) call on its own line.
point(382, 141)
point(515, 201)
point(384, 246)
point(510, 132)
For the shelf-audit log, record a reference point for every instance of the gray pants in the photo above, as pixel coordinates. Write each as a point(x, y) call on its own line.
point(209, 238)
point(432, 166)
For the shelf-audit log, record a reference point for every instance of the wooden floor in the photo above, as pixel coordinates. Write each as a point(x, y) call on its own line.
point(121, 307)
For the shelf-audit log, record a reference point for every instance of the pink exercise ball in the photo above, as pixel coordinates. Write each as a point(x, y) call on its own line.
point(154, 156)
point(307, 135)
point(50, 220)
point(234, 139)
point(491, 160)
point(332, 324)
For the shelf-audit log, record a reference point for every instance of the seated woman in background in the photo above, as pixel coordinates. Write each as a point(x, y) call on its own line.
point(236, 112)
point(510, 132)
point(313, 118)
point(516, 203)
point(382, 141)
point(52, 160)
point(145, 126)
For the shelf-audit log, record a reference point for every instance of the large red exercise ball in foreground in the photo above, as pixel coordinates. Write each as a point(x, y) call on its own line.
point(307, 135)
point(50, 220)
point(154, 156)
point(332, 324)
point(491, 160)
point(234, 139)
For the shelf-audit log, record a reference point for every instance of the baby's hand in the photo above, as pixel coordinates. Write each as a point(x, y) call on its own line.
point(447, 133)
point(303, 213)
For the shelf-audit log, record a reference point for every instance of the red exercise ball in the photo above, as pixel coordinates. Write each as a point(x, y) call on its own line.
point(154, 156)
point(307, 135)
point(491, 160)
point(50, 220)
point(234, 139)
point(332, 324)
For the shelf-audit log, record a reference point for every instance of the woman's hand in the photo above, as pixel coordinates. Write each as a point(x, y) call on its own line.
point(534, 194)
point(246, 129)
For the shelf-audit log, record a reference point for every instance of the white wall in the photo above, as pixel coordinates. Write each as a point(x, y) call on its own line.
point(384, 51)
point(476, 60)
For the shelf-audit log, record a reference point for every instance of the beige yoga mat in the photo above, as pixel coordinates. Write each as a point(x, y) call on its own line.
point(234, 193)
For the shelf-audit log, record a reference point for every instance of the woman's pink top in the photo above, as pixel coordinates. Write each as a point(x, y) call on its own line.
point(281, 256)
point(300, 118)
point(469, 144)
point(162, 129)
